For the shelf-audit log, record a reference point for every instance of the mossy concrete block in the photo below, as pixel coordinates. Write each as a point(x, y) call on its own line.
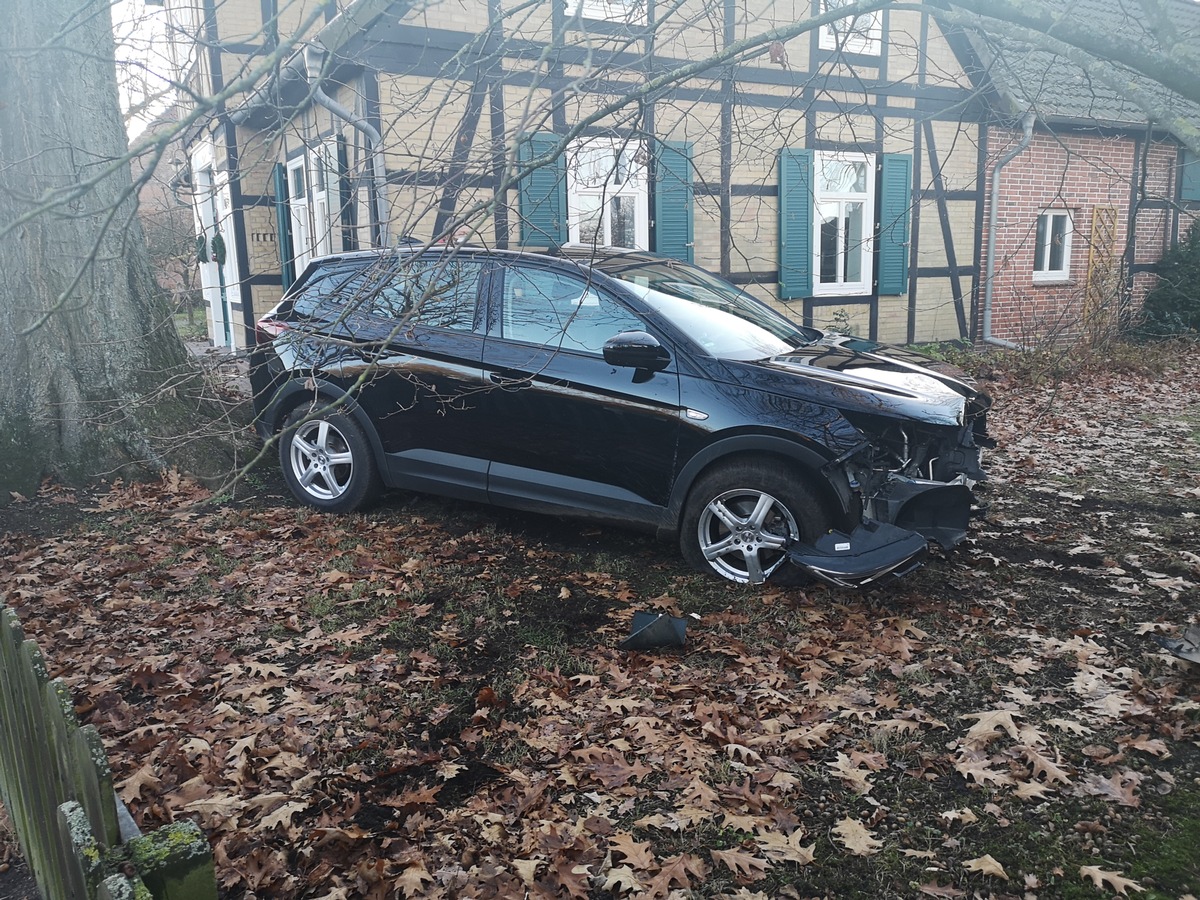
point(118, 887)
point(175, 862)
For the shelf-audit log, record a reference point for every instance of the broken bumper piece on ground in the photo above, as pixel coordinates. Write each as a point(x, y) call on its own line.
point(872, 553)
point(1186, 647)
point(654, 630)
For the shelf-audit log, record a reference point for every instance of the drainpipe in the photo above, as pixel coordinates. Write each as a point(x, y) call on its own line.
point(990, 270)
point(314, 57)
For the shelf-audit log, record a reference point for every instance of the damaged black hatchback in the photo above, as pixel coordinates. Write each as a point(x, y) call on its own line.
point(624, 387)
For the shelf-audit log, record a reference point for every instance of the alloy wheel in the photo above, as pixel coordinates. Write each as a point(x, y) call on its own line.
point(743, 534)
point(321, 460)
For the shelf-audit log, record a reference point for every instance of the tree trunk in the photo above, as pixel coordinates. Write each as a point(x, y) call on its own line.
point(93, 378)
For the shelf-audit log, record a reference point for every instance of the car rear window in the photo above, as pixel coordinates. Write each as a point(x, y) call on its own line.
point(320, 288)
point(436, 291)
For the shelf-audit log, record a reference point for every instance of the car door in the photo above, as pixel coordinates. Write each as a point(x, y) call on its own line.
point(424, 387)
point(565, 428)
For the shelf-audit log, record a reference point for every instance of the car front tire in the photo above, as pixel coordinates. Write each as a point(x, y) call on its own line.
point(740, 518)
point(327, 461)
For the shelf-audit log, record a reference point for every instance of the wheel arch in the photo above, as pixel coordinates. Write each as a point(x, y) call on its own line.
point(295, 394)
point(804, 461)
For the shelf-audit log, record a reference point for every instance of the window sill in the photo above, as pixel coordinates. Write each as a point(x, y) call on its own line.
point(835, 292)
point(1052, 280)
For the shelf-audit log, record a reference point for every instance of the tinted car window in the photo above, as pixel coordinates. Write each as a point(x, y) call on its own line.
point(559, 310)
point(434, 291)
point(315, 292)
point(438, 292)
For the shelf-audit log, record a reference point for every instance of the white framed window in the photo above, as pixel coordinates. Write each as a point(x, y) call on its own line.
point(843, 223)
point(313, 198)
point(1052, 249)
point(626, 12)
point(607, 196)
point(324, 189)
point(297, 173)
point(852, 34)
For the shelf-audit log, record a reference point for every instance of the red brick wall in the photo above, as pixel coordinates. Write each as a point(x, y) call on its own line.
point(1079, 173)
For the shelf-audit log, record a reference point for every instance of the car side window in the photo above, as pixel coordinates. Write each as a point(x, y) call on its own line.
point(436, 292)
point(441, 292)
point(559, 310)
point(315, 293)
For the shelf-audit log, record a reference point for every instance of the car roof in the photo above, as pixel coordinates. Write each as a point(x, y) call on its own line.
point(580, 254)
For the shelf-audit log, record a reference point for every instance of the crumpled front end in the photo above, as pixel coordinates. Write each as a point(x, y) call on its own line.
point(918, 475)
point(915, 482)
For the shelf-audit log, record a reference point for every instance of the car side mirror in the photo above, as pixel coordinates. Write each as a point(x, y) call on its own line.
point(636, 350)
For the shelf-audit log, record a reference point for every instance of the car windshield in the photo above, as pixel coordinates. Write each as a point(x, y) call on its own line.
point(723, 320)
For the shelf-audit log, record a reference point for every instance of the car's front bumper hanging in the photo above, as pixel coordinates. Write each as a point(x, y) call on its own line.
point(873, 553)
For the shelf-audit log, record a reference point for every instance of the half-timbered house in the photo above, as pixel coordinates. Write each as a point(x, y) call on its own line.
point(842, 173)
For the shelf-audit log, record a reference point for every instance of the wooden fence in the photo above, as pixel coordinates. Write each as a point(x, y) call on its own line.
point(56, 784)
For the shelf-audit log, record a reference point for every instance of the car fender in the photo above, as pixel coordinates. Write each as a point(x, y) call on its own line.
point(295, 392)
point(739, 444)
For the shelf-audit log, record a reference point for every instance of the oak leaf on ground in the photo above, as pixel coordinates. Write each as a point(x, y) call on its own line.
point(989, 724)
point(679, 871)
point(412, 880)
point(637, 854)
point(1099, 877)
point(745, 867)
point(621, 879)
point(986, 865)
point(781, 847)
point(855, 837)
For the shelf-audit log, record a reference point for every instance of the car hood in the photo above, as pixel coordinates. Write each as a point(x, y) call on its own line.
point(871, 377)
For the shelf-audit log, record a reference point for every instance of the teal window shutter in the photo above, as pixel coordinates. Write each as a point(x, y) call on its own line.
point(673, 228)
point(795, 223)
point(283, 227)
point(542, 194)
point(1189, 176)
point(895, 212)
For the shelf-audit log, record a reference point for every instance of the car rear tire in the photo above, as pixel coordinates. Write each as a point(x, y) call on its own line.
point(739, 519)
point(326, 460)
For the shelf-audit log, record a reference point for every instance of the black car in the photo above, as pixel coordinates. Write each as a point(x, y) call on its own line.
point(620, 386)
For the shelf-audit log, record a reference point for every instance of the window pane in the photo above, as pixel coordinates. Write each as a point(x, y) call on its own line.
point(313, 296)
point(1058, 236)
point(445, 293)
point(439, 293)
point(857, 34)
point(840, 176)
point(829, 242)
point(298, 183)
point(854, 245)
point(560, 311)
point(623, 222)
point(1039, 249)
point(332, 168)
point(630, 11)
point(594, 164)
point(590, 218)
point(625, 164)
